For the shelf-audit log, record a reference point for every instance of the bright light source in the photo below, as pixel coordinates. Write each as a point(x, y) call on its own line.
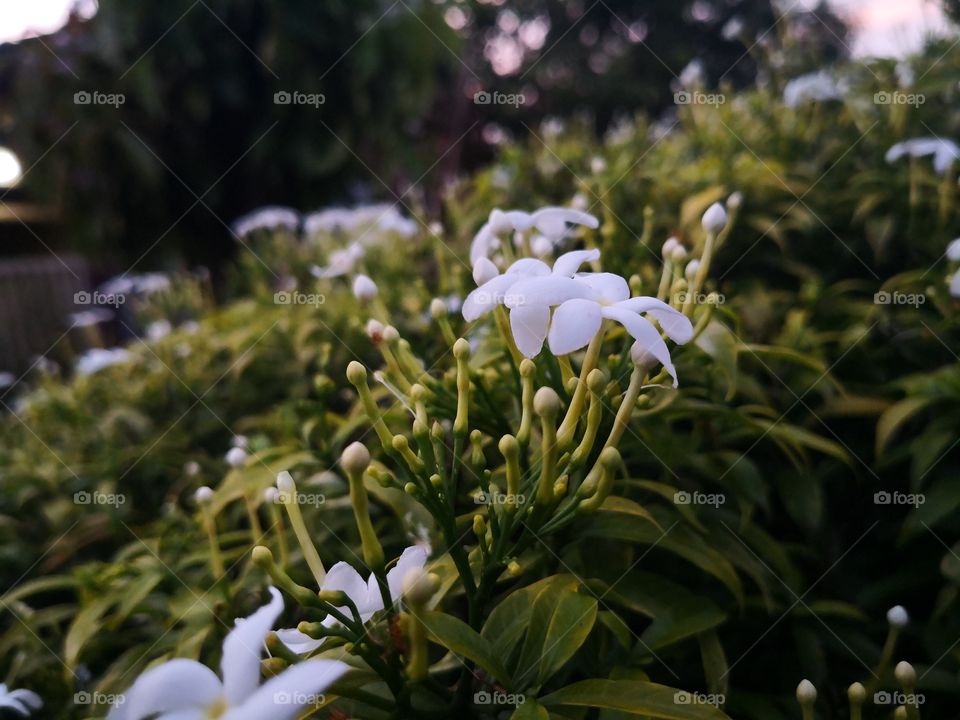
point(10, 169)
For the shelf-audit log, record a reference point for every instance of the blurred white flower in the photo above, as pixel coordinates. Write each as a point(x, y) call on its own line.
point(897, 616)
point(583, 302)
point(953, 251)
point(943, 151)
point(813, 87)
point(137, 284)
point(96, 359)
point(549, 221)
point(364, 594)
point(266, 218)
point(955, 284)
point(20, 701)
point(342, 262)
point(186, 690)
point(88, 318)
point(382, 217)
point(364, 288)
point(236, 456)
point(240, 441)
point(159, 329)
point(715, 218)
point(692, 76)
point(203, 494)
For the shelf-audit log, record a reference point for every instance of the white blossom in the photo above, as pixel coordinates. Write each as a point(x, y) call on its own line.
point(943, 151)
point(549, 221)
point(364, 288)
point(266, 218)
point(20, 701)
point(341, 262)
point(813, 87)
point(96, 359)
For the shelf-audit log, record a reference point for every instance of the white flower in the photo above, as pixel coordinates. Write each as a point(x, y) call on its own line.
point(953, 251)
point(693, 75)
point(203, 495)
point(88, 318)
point(385, 218)
point(813, 87)
point(365, 594)
point(186, 690)
point(541, 245)
point(583, 303)
point(97, 359)
point(943, 151)
point(897, 616)
point(236, 456)
point(342, 262)
point(526, 323)
point(364, 288)
point(158, 330)
point(549, 221)
point(266, 218)
point(714, 219)
point(955, 284)
point(20, 701)
point(240, 441)
point(191, 468)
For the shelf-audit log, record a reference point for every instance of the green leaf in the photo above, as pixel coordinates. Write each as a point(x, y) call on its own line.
point(626, 506)
point(633, 696)
point(85, 625)
point(530, 710)
point(895, 416)
point(715, 665)
point(460, 639)
point(560, 622)
point(508, 620)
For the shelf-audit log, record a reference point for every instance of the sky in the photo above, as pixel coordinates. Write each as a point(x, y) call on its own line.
point(884, 27)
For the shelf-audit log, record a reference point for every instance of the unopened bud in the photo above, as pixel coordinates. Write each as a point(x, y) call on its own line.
point(806, 693)
point(714, 219)
point(355, 459)
point(203, 495)
point(364, 288)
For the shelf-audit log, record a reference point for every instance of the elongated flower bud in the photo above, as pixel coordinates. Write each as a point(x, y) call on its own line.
point(355, 460)
point(461, 350)
point(715, 218)
point(510, 449)
point(528, 371)
point(546, 404)
point(364, 288)
point(357, 376)
point(288, 494)
point(806, 696)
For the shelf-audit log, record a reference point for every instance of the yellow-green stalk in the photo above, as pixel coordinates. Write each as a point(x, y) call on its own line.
point(510, 449)
point(418, 587)
point(271, 498)
point(288, 496)
point(568, 427)
point(857, 695)
point(907, 677)
point(402, 446)
point(596, 382)
point(438, 311)
point(461, 351)
point(666, 276)
point(603, 473)
point(546, 404)
point(204, 498)
point(357, 376)
point(528, 371)
point(806, 696)
point(263, 558)
point(354, 461)
point(388, 347)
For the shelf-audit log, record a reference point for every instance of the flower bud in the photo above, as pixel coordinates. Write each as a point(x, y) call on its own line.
point(419, 586)
point(714, 219)
point(356, 458)
point(356, 373)
point(806, 693)
point(514, 568)
point(271, 494)
point(735, 200)
point(285, 483)
point(484, 270)
point(236, 456)
point(191, 468)
point(203, 495)
point(678, 254)
point(391, 334)
point(691, 270)
point(438, 309)
point(375, 330)
point(642, 357)
point(364, 288)
point(546, 402)
point(669, 246)
point(897, 617)
point(905, 674)
point(857, 693)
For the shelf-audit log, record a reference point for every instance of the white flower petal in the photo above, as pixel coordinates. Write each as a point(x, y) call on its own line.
point(486, 297)
point(529, 325)
point(284, 696)
point(28, 698)
point(675, 324)
point(575, 323)
point(482, 243)
point(551, 290)
point(568, 263)
point(298, 642)
point(242, 648)
point(529, 267)
point(953, 250)
point(412, 557)
point(610, 287)
point(175, 685)
point(484, 270)
point(345, 578)
point(552, 221)
point(519, 220)
point(646, 335)
point(955, 284)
